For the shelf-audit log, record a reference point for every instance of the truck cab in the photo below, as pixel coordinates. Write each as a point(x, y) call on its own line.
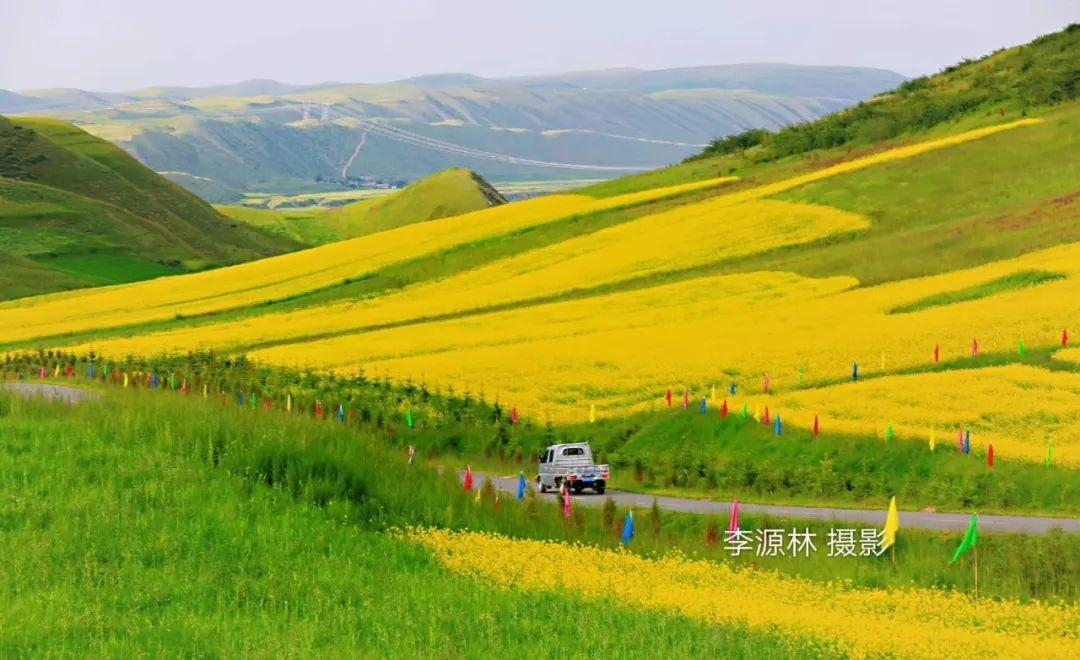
point(571, 465)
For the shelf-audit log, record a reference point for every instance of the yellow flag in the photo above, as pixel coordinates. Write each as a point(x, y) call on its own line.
point(477, 496)
point(125, 380)
point(592, 413)
point(892, 524)
point(933, 443)
point(757, 414)
point(288, 403)
point(205, 391)
point(56, 374)
point(712, 393)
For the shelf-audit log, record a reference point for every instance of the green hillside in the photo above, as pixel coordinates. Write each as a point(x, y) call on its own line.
point(447, 193)
point(78, 211)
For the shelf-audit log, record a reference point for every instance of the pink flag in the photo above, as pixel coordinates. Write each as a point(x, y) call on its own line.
point(566, 501)
point(686, 400)
point(43, 372)
point(513, 416)
point(974, 348)
point(733, 524)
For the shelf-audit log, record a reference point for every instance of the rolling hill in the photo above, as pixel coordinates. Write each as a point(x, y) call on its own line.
point(268, 136)
point(78, 211)
point(451, 192)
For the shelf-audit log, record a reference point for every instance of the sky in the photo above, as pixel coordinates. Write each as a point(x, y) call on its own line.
point(114, 45)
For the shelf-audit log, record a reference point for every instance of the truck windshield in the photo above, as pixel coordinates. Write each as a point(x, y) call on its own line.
point(573, 451)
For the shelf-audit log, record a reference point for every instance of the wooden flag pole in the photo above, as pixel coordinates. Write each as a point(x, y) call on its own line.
point(976, 551)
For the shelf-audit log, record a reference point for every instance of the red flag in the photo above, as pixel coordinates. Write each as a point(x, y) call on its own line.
point(817, 428)
point(669, 398)
point(686, 400)
point(566, 501)
point(990, 455)
point(723, 409)
point(468, 478)
point(937, 353)
point(318, 409)
point(513, 416)
point(765, 417)
point(268, 404)
point(974, 347)
point(733, 524)
point(1064, 337)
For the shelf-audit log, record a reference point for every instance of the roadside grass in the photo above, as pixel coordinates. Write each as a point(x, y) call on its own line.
point(141, 486)
point(122, 539)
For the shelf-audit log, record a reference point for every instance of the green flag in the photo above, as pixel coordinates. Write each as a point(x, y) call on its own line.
point(970, 539)
point(1020, 348)
point(1049, 453)
point(408, 418)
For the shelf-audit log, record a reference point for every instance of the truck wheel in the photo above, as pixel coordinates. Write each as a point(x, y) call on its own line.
point(540, 485)
point(600, 487)
point(577, 487)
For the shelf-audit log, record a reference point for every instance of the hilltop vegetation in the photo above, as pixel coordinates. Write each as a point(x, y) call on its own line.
point(77, 211)
point(452, 192)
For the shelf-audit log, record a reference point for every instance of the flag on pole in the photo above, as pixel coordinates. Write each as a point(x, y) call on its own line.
point(733, 522)
point(408, 418)
point(745, 410)
point(778, 427)
point(892, 525)
point(704, 405)
point(723, 409)
point(1064, 337)
point(566, 507)
point(513, 416)
point(1049, 453)
point(970, 538)
point(933, 442)
point(288, 402)
point(889, 433)
point(668, 397)
point(468, 478)
point(1020, 348)
point(592, 413)
point(686, 400)
point(341, 413)
point(967, 442)
point(125, 379)
point(990, 455)
point(522, 487)
point(855, 371)
point(817, 427)
point(765, 418)
point(974, 347)
point(628, 528)
point(731, 390)
point(937, 353)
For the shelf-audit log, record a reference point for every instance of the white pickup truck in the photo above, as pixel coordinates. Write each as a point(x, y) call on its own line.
point(573, 465)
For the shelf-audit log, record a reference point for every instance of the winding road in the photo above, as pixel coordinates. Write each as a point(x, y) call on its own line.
point(952, 522)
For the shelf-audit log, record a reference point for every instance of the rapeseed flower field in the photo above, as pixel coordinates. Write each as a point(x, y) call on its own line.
point(902, 623)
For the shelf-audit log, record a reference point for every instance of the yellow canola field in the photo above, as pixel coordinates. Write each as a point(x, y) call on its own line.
point(731, 225)
point(1069, 355)
point(902, 623)
point(1017, 408)
point(620, 352)
point(685, 237)
point(291, 274)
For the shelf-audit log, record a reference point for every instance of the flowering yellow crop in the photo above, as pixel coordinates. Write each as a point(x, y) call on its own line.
point(1018, 408)
point(685, 237)
point(1069, 355)
point(291, 274)
point(903, 623)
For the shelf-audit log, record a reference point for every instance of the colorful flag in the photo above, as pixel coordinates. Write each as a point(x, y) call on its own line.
point(1049, 453)
point(731, 390)
point(566, 507)
point(889, 433)
point(628, 528)
point(745, 410)
point(892, 524)
point(592, 413)
point(42, 373)
point(990, 455)
point(468, 478)
point(1020, 348)
point(288, 402)
point(668, 397)
point(408, 418)
point(937, 353)
point(967, 442)
point(686, 400)
point(817, 427)
point(765, 418)
point(90, 371)
point(974, 348)
point(56, 373)
point(704, 405)
point(733, 522)
point(125, 379)
point(723, 409)
point(1064, 337)
point(855, 371)
point(779, 427)
point(513, 416)
point(522, 487)
point(933, 442)
point(970, 538)
point(341, 413)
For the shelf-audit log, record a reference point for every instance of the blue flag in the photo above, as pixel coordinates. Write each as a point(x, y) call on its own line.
point(628, 528)
point(521, 486)
point(704, 406)
point(341, 413)
point(967, 442)
point(153, 381)
point(239, 398)
point(731, 390)
point(855, 371)
point(779, 427)
point(90, 371)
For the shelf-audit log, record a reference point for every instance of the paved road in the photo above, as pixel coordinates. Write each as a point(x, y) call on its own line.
point(942, 521)
point(44, 390)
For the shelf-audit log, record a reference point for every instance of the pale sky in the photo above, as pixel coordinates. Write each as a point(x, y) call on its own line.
point(113, 45)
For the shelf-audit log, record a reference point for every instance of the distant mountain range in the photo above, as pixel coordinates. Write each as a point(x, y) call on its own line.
point(270, 136)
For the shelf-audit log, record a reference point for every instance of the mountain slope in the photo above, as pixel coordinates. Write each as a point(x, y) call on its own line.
point(266, 136)
point(447, 193)
point(75, 204)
